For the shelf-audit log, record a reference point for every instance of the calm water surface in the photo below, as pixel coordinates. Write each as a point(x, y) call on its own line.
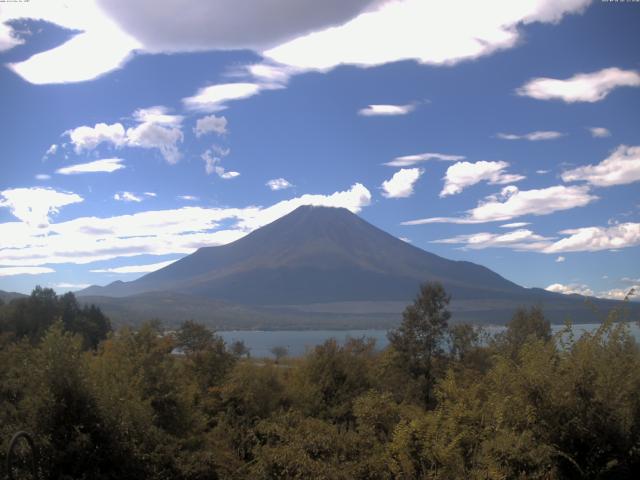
point(298, 341)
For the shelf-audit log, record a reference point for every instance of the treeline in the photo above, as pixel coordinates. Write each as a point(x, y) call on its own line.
point(441, 402)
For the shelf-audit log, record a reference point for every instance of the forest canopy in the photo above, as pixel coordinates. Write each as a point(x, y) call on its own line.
point(442, 401)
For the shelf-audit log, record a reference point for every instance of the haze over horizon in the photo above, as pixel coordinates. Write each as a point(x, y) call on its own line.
point(502, 133)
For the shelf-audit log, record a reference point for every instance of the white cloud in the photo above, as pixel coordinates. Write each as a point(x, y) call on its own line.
point(127, 197)
point(533, 136)
point(153, 135)
point(158, 114)
point(70, 286)
point(212, 159)
point(155, 128)
point(151, 194)
point(43, 176)
point(107, 165)
point(630, 280)
point(515, 225)
point(571, 289)
point(440, 33)
point(11, 271)
point(210, 124)
point(354, 199)
point(215, 97)
point(192, 25)
point(542, 172)
point(88, 138)
point(101, 45)
point(51, 150)
point(620, 168)
point(464, 174)
point(621, 293)
point(599, 132)
point(35, 205)
point(297, 33)
point(591, 239)
point(512, 203)
point(278, 184)
point(520, 240)
point(8, 39)
point(164, 232)
point(409, 160)
point(587, 239)
point(582, 87)
point(386, 110)
point(402, 183)
point(135, 268)
point(581, 289)
point(188, 198)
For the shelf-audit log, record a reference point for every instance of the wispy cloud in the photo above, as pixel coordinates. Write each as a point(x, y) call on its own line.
point(215, 97)
point(409, 160)
point(519, 240)
point(586, 239)
point(150, 267)
point(582, 87)
point(12, 271)
point(512, 202)
point(127, 197)
point(515, 225)
point(212, 159)
point(386, 110)
point(533, 136)
point(177, 231)
point(107, 165)
point(599, 132)
point(619, 168)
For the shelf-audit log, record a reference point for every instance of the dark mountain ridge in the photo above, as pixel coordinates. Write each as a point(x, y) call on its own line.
point(324, 255)
point(314, 254)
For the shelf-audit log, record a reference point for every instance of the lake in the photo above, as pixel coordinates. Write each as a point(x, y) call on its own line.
point(298, 341)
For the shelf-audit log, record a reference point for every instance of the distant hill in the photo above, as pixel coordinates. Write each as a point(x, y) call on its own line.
point(8, 296)
point(325, 262)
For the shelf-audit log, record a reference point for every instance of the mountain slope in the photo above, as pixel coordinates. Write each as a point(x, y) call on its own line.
point(6, 297)
point(320, 266)
point(312, 255)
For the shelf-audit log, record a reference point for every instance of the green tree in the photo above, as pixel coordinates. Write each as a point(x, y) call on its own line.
point(524, 325)
point(419, 339)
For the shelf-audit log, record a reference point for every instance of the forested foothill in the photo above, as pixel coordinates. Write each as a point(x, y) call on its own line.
point(442, 401)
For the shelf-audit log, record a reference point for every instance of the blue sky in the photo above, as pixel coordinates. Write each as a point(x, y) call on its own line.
point(504, 133)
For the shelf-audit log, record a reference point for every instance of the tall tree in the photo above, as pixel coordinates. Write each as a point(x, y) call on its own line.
point(419, 339)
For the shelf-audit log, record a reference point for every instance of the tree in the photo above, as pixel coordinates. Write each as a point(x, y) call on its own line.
point(279, 352)
point(239, 349)
point(206, 354)
point(419, 339)
point(524, 325)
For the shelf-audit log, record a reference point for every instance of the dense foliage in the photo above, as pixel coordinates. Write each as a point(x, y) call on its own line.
point(441, 402)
